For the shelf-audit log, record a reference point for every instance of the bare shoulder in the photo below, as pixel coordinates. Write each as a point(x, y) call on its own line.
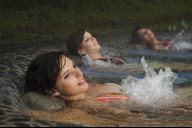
point(101, 89)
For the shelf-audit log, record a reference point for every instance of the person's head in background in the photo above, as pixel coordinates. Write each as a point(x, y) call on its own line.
point(82, 42)
point(55, 74)
point(144, 35)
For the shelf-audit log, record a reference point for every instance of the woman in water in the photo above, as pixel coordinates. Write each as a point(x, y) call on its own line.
point(145, 36)
point(56, 75)
point(84, 43)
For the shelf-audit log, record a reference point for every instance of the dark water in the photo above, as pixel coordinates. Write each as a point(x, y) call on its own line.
point(179, 61)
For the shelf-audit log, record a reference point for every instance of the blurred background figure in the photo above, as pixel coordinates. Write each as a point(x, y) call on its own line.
point(144, 35)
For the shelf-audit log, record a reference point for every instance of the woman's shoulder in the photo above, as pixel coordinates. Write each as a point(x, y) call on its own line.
point(97, 90)
point(110, 92)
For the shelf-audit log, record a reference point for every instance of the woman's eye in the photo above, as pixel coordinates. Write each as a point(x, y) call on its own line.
point(67, 75)
point(87, 40)
point(74, 65)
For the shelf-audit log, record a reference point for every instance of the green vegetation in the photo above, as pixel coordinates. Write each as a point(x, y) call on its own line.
point(24, 21)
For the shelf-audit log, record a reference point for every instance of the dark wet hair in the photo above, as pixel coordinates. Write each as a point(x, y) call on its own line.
point(43, 71)
point(74, 41)
point(134, 37)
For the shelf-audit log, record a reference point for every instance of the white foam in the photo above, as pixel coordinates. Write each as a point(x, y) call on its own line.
point(179, 43)
point(155, 89)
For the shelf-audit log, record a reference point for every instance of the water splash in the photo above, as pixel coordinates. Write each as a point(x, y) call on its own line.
point(156, 89)
point(179, 43)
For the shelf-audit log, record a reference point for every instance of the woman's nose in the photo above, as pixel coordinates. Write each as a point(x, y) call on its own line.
point(95, 40)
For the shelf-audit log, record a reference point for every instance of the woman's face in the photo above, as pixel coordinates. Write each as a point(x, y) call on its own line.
point(89, 43)
point(70, 81)
point(146, 35)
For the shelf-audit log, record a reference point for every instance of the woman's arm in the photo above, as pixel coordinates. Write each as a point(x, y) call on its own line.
point(118, 60)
